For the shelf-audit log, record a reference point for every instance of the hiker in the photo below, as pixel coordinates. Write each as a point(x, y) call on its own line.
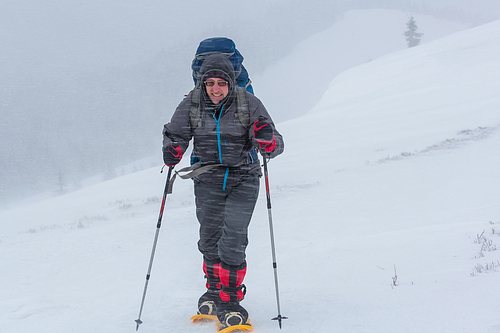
point(227, 122)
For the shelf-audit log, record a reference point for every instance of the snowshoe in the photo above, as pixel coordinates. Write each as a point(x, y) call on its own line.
point(247, 326)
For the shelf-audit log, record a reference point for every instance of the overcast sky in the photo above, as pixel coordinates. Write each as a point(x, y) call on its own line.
point(86, 85)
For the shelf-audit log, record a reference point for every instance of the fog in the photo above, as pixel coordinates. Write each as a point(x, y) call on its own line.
point(86, 86)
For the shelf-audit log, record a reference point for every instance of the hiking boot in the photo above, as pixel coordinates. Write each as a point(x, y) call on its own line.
point(231, 313)
point(208, 302)
point(229, 310)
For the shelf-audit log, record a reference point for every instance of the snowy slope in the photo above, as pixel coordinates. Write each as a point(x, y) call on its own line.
point(395, 168)
point(358, 37)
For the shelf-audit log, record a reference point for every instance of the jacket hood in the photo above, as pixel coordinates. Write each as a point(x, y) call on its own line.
point(219, 63)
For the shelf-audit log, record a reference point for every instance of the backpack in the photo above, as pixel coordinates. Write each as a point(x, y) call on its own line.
point(243, 84)
point(227, 47)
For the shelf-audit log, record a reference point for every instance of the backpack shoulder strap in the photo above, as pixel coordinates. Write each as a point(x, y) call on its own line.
point(243, 113)
point(195, 112)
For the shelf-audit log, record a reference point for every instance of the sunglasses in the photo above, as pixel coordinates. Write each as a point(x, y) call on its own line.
point(211, 83)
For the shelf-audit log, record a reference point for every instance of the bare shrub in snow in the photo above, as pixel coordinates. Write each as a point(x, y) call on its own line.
point(42, 227)
point(486, 245)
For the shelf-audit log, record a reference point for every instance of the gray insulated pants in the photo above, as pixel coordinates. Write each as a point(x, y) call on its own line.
point(224, 216)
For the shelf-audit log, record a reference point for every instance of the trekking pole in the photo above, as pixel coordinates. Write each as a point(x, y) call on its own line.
point(158, 226)
point(273, 250)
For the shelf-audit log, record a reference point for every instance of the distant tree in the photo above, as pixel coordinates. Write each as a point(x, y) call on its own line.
point(412, 36)
point(61, 184)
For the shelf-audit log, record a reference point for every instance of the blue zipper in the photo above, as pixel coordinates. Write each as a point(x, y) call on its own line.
point(219, 145)
point(225, 179)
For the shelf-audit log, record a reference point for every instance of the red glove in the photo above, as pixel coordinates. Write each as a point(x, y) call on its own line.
point(172, 154)
point(264, 134)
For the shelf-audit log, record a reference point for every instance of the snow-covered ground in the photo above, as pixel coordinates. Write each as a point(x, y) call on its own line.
point(386, 210)
point(359, 36)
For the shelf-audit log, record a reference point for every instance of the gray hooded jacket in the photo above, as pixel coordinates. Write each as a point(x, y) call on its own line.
point(221, 140)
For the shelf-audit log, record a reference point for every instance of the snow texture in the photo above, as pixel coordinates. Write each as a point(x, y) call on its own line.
point(386, 215)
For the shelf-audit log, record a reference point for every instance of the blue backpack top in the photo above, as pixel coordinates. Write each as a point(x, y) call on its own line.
point(227, 47)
